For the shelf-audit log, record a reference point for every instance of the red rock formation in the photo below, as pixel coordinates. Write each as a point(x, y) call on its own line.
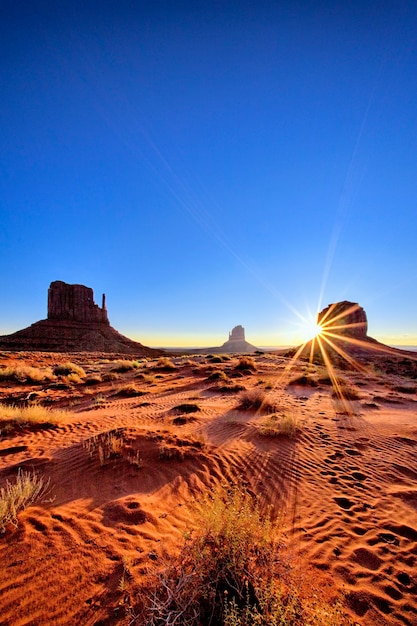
point(237, 334)
point(74, 302)
point(75, 324)
point(346, 319)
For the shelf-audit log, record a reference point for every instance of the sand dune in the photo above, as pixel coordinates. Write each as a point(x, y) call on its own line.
point(345, 486)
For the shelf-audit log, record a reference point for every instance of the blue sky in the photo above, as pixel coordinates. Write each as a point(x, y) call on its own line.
point(207, 164)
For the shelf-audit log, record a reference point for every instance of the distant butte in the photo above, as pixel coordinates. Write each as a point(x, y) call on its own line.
point(236, 343)
point(74, 324)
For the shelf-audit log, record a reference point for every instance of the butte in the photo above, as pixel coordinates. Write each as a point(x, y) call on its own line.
point(74, 324)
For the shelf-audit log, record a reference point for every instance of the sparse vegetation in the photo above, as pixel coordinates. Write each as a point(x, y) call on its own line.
point(276, 425)
point(229, 388)
point(165, 364)
point(109, 377)
point(129, 391)
point(34, 414)
point(125, 366)
point(14, 497)
point(93, 379)
point(25, 374)
point(305, 380)
point(106, 445)
point(246, 363)
point(218, 375)
point(256, 399)
point(67, 368)
point(229, 573)
point(146, 378)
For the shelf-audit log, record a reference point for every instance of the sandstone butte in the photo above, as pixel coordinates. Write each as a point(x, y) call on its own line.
point(74, 324)
point(234, 345)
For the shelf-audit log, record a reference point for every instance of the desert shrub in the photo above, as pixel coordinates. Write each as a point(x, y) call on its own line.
point(228, 562)
point(33, 414)
point(230, 572)
point(125, 366)
point(74, 379)
point(304, 380)
point(15, 497)
point(218, 375)
point(246, 363)
point(165, 364)
point(94, 379)
point(64, 369)
point(25, 374)
point(147, 378)
point(129, 391)
point(255, 399)
point(276, 425)
point(217, 358)
point(109, 377)
point(229, 388)
point(187, 408)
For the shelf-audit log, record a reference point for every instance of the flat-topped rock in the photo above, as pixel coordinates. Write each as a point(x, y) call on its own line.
point(74, 302)
point(344, 319)
point(74, 324)
point(235, 344)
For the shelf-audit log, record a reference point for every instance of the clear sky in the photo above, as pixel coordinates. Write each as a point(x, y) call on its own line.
point(210, 163)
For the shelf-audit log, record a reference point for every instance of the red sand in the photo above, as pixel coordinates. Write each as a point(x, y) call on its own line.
point(346, 486)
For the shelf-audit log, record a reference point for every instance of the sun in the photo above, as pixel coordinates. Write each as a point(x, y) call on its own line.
point(315, 330)
point(309, 329)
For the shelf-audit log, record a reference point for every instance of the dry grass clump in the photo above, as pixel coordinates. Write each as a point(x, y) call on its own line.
point(147, 378)
point(15, 497)
point(110, 445)
point(110, 377)
point(129, 391)
point(246, 363)
point(165, 364)
point(31, 415)
point(305, 380)
point(276, 425)
point(228, 388)
point(125, 366)
point(229, 572)
point(257, 400)
point(93, 379)
point(67, 368)
point(218, 375)
point(25, 374)
point(105, 445)
point(218, 358)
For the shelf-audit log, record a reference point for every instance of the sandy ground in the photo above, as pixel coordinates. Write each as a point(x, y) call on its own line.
point(345, 486)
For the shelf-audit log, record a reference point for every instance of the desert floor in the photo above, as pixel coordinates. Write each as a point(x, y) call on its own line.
point(344, 486)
